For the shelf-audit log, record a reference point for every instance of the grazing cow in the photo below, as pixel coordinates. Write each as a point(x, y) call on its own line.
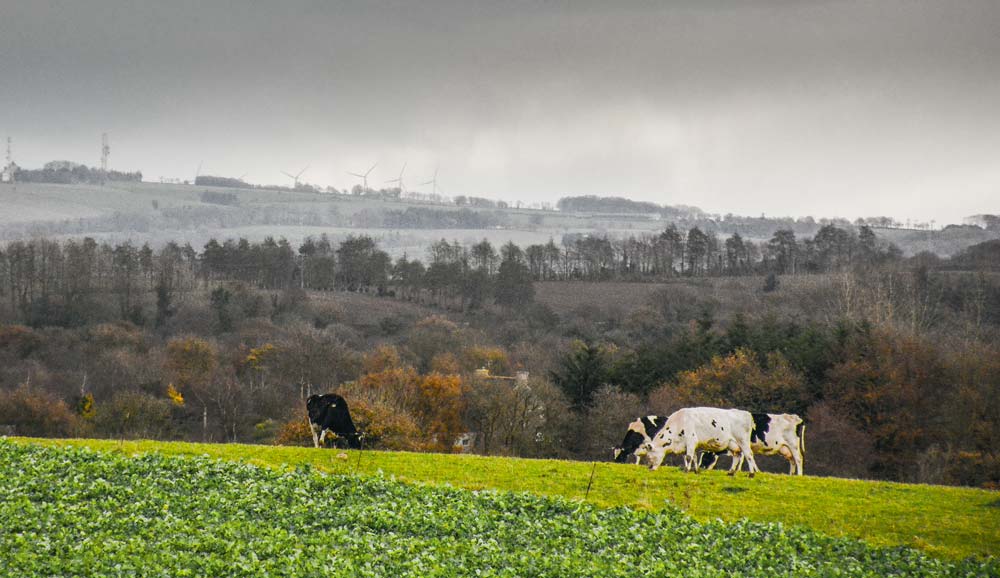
point(691, 429)
point(781, 434)
point(329, 413)
point(640, 432)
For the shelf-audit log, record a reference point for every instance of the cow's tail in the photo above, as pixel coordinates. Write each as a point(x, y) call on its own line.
point(800, 432)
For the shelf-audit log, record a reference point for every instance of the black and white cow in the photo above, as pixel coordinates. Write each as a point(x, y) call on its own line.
point(693, 429)
point(329, 413)
point(640, 432)
point(781, 434)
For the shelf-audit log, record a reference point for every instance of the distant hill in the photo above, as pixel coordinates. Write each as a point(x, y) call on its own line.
point(162, 212)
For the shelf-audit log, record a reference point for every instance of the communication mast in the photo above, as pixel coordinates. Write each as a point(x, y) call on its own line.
point(8, 169)
point(105, 153)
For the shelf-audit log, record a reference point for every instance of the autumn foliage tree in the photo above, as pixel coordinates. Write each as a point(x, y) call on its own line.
point(889, 386)
point(737, 380)
point(439, 409)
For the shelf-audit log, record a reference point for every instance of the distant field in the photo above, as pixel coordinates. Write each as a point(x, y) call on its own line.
point(943, 521)
point(729, 294)
point(31, 205)
point(360, 310)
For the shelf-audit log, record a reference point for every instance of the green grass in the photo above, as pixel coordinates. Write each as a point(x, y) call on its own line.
point(76, 512)
point(943, 521)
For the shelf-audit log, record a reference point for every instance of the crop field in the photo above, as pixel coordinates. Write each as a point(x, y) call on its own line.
point(944, 522)
point(72, 511)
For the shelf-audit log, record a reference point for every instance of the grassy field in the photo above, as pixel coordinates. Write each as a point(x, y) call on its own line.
point(945, 522)
point(76, 512)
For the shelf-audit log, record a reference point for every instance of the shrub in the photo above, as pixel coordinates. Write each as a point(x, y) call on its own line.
point(36, 413)
point(134, 414)
point(19, 340)
point(294, 432)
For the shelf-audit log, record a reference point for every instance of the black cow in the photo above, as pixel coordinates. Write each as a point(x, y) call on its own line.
point(329, 413)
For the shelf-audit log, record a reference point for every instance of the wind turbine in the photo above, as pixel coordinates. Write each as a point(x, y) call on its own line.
point(399, 180)
point(295, 178)
point(433, 182)
point(364, 177)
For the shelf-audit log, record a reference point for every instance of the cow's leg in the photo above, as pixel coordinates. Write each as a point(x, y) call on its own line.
point(691, 457)
point(749, 457)
point(798, 461)
point(322, 437)
point(737, 464)
point(312, 429)
point(737, 461)
point(787, 454)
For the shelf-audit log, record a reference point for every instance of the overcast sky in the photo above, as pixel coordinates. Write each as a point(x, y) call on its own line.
point(828, 108)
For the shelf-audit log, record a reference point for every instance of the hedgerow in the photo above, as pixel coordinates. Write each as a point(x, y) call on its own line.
point(76, 512)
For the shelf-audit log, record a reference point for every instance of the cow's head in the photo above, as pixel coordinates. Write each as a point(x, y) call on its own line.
point(634, 438)
point(353, 440)
point(314, 407)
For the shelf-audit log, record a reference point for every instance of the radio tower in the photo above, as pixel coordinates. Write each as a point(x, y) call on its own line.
point(8, 170)
point(105, 153)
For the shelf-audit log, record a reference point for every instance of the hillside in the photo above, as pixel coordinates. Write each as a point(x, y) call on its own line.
point(943, 521)
point(159, 213)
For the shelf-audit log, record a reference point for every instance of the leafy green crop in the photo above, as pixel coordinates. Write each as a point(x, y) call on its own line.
point(75, 512)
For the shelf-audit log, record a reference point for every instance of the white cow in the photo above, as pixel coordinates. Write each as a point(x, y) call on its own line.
point(781, 434)
point(694, 429)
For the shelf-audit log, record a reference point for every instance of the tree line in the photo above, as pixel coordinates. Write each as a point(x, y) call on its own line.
point(71, 173)
point(50, 282)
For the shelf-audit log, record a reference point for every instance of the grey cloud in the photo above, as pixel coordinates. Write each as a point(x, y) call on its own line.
point(738, 106)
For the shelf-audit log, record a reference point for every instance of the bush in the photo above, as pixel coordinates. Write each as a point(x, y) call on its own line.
point(134, 414)
point(294, 432)
point(36, 413)
point(385, 427)
point(19, 340)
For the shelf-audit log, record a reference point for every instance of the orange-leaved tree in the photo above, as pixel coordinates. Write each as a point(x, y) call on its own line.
point(440, 407)
point(737, 380)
